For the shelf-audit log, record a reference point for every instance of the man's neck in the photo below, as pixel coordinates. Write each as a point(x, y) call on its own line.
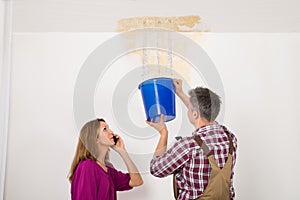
point(203, 122)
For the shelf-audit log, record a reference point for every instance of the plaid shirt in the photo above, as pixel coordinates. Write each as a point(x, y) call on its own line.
point(187, 160)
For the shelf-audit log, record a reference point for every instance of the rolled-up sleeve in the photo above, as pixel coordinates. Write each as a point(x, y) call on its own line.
point(121, 180)
point(172, 160)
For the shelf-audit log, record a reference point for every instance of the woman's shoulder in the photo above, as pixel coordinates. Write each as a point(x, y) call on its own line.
point(87, 163)
point(109, 164)
point(113, 170)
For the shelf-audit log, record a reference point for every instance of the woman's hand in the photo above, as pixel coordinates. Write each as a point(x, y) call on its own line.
point(119, 146)
point(135, 176)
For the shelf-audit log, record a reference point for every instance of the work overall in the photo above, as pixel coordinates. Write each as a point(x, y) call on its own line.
point(218, 187)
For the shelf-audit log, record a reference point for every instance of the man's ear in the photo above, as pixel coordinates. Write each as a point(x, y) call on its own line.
point(195, 114)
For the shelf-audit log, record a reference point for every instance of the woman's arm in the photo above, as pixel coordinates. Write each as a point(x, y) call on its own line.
point(135, 176)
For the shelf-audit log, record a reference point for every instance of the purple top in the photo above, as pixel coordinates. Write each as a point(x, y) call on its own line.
point(91, 182)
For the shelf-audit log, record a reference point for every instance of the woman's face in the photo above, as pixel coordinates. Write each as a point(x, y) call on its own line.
point(105, 135)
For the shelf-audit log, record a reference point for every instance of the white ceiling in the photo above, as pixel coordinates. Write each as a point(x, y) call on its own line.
point(103, 15)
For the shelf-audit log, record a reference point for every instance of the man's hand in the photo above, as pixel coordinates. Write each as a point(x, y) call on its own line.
point(178, 86)
point(159, 126)
point(179, 91)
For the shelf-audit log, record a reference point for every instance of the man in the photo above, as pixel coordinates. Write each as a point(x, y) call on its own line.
point(200, 162)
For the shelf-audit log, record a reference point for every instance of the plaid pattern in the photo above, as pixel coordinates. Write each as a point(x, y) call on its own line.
point(187, 160)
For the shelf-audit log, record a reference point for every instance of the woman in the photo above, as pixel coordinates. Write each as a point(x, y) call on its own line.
point(92, 177)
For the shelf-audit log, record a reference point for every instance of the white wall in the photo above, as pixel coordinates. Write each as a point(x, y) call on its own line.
point(259, 74)
point(5, 66)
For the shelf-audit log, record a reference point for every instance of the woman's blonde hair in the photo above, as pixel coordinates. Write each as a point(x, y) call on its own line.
point(87, 145)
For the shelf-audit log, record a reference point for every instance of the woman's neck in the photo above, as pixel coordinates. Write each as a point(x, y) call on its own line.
point(102, 153)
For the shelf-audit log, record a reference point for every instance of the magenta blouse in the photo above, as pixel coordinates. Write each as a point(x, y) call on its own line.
point(91, 182)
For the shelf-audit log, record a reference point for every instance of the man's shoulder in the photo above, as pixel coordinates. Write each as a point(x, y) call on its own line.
point(229, 132)
point(185, 142)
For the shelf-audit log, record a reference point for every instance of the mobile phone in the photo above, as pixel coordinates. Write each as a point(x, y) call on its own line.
point(115, 139)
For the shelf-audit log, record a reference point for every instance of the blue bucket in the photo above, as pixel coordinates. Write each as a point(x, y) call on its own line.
point(159, 98)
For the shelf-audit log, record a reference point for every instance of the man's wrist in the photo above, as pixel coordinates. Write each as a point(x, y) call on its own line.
point(164, 132)
point(179, 92)
point(181, 95)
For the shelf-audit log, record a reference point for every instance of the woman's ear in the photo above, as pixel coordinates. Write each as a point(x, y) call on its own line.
point(98, 139)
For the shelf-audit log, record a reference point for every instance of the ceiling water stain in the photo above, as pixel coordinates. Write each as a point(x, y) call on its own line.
point(191, 26)
point(178, 24)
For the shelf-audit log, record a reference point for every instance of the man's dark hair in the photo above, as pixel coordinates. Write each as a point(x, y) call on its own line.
point(206, 102)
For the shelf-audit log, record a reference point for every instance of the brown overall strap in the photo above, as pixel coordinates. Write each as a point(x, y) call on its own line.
point(207, 152)
point(219, 178)
point(202, 144)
